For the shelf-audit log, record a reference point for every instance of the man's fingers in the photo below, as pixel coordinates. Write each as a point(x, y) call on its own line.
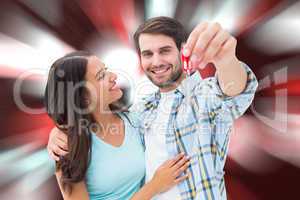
point(57, 144)
point(191, 42)
point(62, 144)
point(58, 134)
point(62, 136)
point(229, 44)
point(203, 41)
point(57, 150)
point(215, 45)
point(53, 156)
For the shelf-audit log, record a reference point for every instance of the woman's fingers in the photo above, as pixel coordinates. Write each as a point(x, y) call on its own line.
point(182, 168)
point(173, 161)
point(168, 174)
point(180, 163)
point(181, 178)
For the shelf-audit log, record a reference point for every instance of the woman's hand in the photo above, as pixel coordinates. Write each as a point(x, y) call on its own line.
point(168, 174)
point(165, 177)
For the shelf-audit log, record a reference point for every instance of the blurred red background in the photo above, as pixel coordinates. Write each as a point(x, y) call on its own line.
point(264, 158)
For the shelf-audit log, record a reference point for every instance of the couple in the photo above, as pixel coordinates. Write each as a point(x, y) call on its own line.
point(174, 144)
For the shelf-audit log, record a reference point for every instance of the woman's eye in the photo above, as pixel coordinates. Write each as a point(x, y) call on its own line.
point(102, 74)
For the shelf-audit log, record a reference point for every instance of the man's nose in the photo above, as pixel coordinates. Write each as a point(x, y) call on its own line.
point(156, 60)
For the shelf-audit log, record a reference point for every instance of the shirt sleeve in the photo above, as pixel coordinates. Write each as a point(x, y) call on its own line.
point(217, 103)
point(136, 112)
point(221, 111)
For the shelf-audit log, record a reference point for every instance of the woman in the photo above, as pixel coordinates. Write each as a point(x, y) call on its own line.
point(106, 157)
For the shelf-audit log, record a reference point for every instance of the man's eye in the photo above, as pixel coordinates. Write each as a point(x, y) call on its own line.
point(147, 54)
point(165, 51)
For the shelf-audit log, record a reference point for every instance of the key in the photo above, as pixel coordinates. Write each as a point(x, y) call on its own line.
point(185, 64)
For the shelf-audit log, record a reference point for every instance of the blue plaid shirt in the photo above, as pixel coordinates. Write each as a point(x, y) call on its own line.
point(200, 121)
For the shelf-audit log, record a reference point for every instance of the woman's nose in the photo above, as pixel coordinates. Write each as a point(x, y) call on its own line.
point(112, 76)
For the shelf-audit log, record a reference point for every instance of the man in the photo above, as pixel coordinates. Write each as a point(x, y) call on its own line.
point(187, 114)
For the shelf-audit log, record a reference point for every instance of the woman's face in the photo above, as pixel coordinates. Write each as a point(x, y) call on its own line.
point(101, 84)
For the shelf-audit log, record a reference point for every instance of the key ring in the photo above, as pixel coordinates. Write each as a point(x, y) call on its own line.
point(185, 64)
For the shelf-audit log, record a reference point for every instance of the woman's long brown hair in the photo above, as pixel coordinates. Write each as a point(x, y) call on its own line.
point(60, 100)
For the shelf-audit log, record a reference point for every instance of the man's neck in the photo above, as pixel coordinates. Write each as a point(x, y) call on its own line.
point(174, 85)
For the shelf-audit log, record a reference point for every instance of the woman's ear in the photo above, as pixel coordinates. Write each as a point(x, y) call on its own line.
point(87, 101)
point(89, 96)
point(86, 98)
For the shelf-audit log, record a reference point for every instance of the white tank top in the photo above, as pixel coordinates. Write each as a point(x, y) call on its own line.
point(155, 140)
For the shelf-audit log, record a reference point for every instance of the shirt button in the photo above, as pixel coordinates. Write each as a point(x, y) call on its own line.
point(147, 125)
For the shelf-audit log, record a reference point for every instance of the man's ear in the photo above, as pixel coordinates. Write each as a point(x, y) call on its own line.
point(140, 67)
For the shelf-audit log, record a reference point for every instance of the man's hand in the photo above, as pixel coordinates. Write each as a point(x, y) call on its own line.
point(57, 144)
point(210, 43)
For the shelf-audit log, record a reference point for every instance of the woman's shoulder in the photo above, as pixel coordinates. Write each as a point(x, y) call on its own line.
point(131, 117)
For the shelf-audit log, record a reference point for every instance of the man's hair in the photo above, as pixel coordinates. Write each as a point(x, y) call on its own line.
point(162, 25)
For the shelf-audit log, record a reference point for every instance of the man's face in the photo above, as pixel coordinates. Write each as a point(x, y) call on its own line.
point(160, 59)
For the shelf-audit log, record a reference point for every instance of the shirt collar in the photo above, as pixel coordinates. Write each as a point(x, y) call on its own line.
point(185, 87)
point(189, 83)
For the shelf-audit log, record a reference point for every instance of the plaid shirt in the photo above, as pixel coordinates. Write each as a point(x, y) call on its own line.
point(200, 121)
